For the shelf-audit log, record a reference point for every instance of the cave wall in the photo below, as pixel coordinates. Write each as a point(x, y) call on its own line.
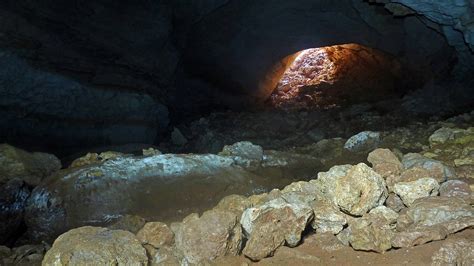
point(83, 60)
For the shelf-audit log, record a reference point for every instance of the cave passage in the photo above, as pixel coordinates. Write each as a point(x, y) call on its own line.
point(333, 76)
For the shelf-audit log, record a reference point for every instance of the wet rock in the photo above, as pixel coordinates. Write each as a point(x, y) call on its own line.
point(177, 138)
point(75, 197)
point(327, 218)
point(215, 234)
point(150, 152)
point(394, 202)
point(454, 252)
point(30, 167)
point(273, 224)
point(386, 163)
point(13, 196)
point(411, 191)
point(355, 189)
point(436, 169)
point(244, 153)
point(430, 211)
point(93, 158)
point(99, 245)
point(363, 141)
point(372, 232)
point(455, 188)
point(444, 135)
point(131, 223)
point(156, 234)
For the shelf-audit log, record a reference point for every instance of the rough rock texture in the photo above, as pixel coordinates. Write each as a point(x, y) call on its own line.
point(131, 223)
point(273, 224)
point(132, 185)
point(363, 141)
point(430, 211)
point(454, 252)
point(455, 188)
point(394, 202)
point(30, 167)
point(386, 163)
point(373, 232)
point(355, 189)
point(436, 169)
point(13, 196)
point(86, 245)
point(216, 233)
point(23, 255)
point(327, 218)
point(411, 191)
point(91, 158)
point(156, 234)
point(245, 152)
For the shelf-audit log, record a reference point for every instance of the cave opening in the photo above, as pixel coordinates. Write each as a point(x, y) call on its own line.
point(335, 76)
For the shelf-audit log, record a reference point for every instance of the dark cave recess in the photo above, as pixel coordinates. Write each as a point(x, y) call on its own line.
point(75, 76)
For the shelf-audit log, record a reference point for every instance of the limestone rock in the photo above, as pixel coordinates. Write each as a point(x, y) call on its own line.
point(394, 202)
point(444, 135)
point(411, 191)
point(434, 210)
point(414, 174)
point(418, 236)
point(244, 153)
point(454, 252)
point(386, 163)
point(372, 232)
point(436, 169)
point(273, 224)
point(355, 189)
point(381, 211)
point(30, 167)
point(216, 233)
point(93, 158)
point(96, 245)
point(455, 188)
point(327, 218)
point(363, 141)
point(156, 234)
point(162, 256)
point(234, 203)
point(74, 197)
point(13, 196)
point(150, 152)
point(131, 223)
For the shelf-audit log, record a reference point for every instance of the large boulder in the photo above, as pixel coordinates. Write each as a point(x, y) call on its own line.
point(141, 186)
point(13, 196)
point(354, 189)
point(387, 164)
point(215, 234)
point(30, 167)
point(272, 225)
point(95, 245)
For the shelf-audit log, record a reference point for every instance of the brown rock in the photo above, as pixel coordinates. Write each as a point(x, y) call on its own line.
point(386, 163)
point(156, 234)
point(454, 252)
point(455, 188)
point(394, 202)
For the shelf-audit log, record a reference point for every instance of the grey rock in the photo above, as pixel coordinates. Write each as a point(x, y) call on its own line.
point(436, 169)
point(411, 191)
point(327, 218)
point(394, 202)
point(454, 252)
point(273, 224)
point(177, 138)
point(13, 197)
point(455, 188)
point(355, 189)
point(363, 141)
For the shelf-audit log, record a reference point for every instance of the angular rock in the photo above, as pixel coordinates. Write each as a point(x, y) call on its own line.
point(381, 211)
point(30, 167)
point(418, 236)
point(386, 163)
point(131, 223)
point(355, 189)
point(151, 152)
point(234, 203)
point(162, 256)
point(100, 246)
point(215, 234)
point(455, 188)
point(436, 169)
point(372, 232)
point(244, 153)
point(363, 141)
point(13, 196)
point(394, 202)
point(454, 252)
point(93, 158)
point(156, 234)
point(411, 191)
point(430, 211)
point(444, 135)
point(273, 224)
point(327, 218)
point(414, 174)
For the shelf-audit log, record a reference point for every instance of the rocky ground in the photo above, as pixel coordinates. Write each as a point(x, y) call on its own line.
point(400, 193)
